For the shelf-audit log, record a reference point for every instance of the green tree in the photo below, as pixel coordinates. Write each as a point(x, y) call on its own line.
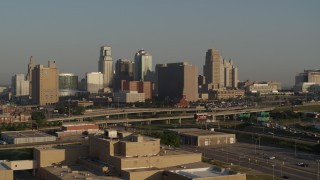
point(78, 110)
point(39, 117)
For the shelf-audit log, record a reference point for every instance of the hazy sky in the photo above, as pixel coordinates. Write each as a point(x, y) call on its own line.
point(267, 39)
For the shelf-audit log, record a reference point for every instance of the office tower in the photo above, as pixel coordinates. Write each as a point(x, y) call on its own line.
point(142, 66)
point(218, 72)
point(20, 85)
point(82, 84)
point(105, 66)
point(29, 74)
point(178, 80)
point(230, 74)
point(139, 86)
point(68, 84)
point(45, 84)
point(156, 89)
point(123, 71)
point(94, 82)
point(213, 69)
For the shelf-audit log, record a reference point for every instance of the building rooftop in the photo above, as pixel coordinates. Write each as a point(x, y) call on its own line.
point(197, 132)
point(201, 172)
point(69, 146)
point(25, 134)
point(77, 172)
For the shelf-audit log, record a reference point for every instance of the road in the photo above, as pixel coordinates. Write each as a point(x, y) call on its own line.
point(251, 156)
point(220, 112)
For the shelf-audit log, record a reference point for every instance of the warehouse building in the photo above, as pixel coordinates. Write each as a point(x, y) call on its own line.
point(21, 137)
point(199, 137)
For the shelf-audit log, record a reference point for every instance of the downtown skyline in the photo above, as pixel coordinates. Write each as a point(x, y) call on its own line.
point(266, 40)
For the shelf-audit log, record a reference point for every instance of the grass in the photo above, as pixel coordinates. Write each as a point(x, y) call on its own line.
point(261, 177)
point(315, 108)
point(226, 165)
point(16, 154)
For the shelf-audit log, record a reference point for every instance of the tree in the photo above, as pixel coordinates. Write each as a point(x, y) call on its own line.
point(38, 116)
point(78, 110)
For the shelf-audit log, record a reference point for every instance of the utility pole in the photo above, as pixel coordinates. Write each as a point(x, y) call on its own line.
point(318, 168)
point(273, 171)
point(69, 106)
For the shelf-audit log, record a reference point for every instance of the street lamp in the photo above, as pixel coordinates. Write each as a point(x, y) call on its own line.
point(118, 106)
point(295, 148)
point(69, 105)
point(318, 168)
point(273, 171)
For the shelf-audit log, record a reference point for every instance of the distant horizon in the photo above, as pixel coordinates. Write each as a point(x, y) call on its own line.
point(269, 40)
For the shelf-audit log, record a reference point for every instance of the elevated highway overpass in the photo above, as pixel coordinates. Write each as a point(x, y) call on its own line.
point(170, 115)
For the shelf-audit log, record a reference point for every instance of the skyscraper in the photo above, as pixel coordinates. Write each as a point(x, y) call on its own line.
point(20, 85)
point(45, 84)
point(178, 80)
point(124, 71)
point(218, 72)
point(68, 84)
point(142, 65)
point(94, 82)
point(230, 74)
point(213, 68)
point(105, 66)
point(29, 74)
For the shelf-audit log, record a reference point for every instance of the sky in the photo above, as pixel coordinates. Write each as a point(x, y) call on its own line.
point(267, 39)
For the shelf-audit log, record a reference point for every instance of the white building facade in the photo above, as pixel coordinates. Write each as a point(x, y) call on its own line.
point(94, 82)
point(20, 85)
point(106, 66)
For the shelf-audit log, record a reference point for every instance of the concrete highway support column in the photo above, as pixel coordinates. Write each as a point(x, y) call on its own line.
point(168, 121)
point(180, 121)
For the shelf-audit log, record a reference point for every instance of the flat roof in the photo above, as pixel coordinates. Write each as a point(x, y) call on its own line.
point(198, 132)
point(69, 146)
point(201, 172)
point(163, 153)
point(25, 134)
point(77, 172)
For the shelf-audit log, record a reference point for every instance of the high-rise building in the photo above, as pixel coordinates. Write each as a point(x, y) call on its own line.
point(142, 66)
point(45, 84)
point(106, 66)
point(123, 71)
point(29, 74)
point(94, 82)
point(213, 68)
point(230, 74)
point(218, 72)
point(20, 85)
point(68, 84)
point(177, 81)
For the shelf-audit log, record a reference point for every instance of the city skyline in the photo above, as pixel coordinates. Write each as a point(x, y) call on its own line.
point(267, 40)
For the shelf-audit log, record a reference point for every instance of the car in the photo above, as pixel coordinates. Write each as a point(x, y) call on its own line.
point(302, 164)
point(271, 133)
point(271, 157)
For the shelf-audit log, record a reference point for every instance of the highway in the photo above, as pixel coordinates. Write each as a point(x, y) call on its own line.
point(122, 112)
point(277, 136)
point(246, 155)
